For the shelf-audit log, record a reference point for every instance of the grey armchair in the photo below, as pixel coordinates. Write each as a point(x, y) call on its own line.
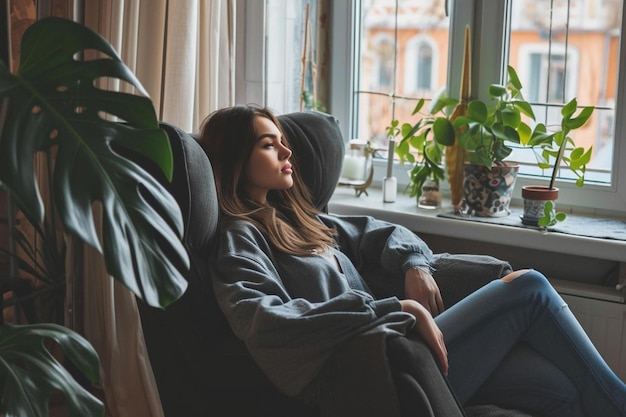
point(201, 368)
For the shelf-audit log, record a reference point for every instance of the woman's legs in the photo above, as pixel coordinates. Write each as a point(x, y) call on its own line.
point(482, 329)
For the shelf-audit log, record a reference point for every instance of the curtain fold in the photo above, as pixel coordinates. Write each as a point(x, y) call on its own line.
point(183, 54)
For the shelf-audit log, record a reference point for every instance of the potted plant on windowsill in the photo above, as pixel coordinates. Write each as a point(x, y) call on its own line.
point(51, 106)
point(485, 133)
point(421, 146)
point(559, 147)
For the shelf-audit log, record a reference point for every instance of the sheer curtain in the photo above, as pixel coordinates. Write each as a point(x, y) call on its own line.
point(183, 54)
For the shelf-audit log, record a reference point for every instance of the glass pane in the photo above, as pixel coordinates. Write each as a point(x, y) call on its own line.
point(565, 49)
point(403, 57)
point(289, 59)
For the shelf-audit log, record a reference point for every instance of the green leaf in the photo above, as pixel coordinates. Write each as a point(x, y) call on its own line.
point(29, 373)
point(510, 118)
point(418, 106)
point(544, 221)
point(505, 133)
point(524, 107)
point(524, 131)
point(513, 78)
point(444, 131)
point(53, 104)
point(569, 108)
point(477, 110)
point(580, 120)
point(496, 90)
point(441, 101)
point(540, 136)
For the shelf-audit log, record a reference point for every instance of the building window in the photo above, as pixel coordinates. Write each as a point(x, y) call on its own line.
point(384, 57)
point(419, 66)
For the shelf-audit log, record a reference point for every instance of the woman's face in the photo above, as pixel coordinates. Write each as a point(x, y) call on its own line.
point(268, 167)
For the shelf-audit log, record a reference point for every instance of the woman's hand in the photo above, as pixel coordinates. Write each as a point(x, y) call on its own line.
point(420, 286)
point(428, 329)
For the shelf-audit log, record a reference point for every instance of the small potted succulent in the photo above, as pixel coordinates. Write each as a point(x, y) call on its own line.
point(559, 147)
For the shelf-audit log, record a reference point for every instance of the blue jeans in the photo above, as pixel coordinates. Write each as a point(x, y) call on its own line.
point(484, 333)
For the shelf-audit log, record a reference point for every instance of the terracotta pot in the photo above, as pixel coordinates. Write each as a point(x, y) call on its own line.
point(487, 192)
point(535, 197)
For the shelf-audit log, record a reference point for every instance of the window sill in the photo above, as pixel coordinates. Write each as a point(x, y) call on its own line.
point(404, 211)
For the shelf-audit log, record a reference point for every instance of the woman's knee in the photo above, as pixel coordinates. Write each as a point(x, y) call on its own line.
point(531, 279)
point(515, 274)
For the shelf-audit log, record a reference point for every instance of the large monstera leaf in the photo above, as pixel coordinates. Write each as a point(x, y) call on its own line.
point(52, 105)
point(29, 372)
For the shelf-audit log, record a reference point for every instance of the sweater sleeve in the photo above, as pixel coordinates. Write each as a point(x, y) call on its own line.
point(376, 244)
point(290, 338)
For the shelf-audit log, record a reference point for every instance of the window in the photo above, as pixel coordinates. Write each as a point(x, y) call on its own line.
point(398, 59)
point(560, 49)
point(276, 64)
point(420, 64)
point(384, 57)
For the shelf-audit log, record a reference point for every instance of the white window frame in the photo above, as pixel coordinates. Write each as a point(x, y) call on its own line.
point(252, 74)
point(603, 200)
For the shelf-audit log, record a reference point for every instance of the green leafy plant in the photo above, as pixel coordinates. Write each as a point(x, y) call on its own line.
point(91, 136)
point(487, 132)
point(30, 373)
point(550, 215)
point(422, 144)
point(489, 128)
point(560, 148)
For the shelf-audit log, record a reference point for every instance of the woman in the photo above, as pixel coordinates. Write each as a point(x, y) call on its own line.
point(287, 282)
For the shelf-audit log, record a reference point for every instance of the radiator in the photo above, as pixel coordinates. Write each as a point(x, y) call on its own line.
point(602, 313)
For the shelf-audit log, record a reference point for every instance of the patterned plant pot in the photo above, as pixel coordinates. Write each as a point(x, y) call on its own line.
point(535, 197)
point(488, 192)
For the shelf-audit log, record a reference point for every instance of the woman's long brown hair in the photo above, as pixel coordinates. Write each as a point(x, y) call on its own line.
point(289, 221)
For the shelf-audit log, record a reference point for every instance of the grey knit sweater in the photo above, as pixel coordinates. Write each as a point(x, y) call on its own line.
point(294, 312)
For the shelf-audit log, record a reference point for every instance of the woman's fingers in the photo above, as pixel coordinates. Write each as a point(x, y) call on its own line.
point(425, 325)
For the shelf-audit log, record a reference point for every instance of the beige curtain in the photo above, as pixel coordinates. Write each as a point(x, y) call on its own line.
point(182, 51)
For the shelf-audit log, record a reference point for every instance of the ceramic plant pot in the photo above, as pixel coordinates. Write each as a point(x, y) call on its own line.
point(487, 192)
point(535, 198)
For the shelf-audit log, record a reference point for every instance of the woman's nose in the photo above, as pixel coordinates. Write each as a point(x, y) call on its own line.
point(285, 152)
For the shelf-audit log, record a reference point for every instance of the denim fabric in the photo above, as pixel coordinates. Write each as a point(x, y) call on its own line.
point(482, 330)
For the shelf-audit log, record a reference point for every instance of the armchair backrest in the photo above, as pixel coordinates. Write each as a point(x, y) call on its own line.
point(200, 367)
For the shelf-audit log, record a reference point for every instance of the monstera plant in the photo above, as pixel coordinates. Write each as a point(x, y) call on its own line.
point(52, 106)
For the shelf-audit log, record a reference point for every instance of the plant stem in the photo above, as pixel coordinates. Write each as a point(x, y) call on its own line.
point(559, 156)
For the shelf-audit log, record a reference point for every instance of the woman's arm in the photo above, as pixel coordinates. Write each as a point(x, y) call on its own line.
point(385, 251)
point(368, 240)
point(282, 332)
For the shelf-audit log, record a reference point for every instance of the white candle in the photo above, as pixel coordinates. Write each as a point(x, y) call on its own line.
point(390, 155)
point(354, 167)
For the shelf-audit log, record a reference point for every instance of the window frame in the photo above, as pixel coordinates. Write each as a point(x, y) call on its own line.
point(592, 199)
